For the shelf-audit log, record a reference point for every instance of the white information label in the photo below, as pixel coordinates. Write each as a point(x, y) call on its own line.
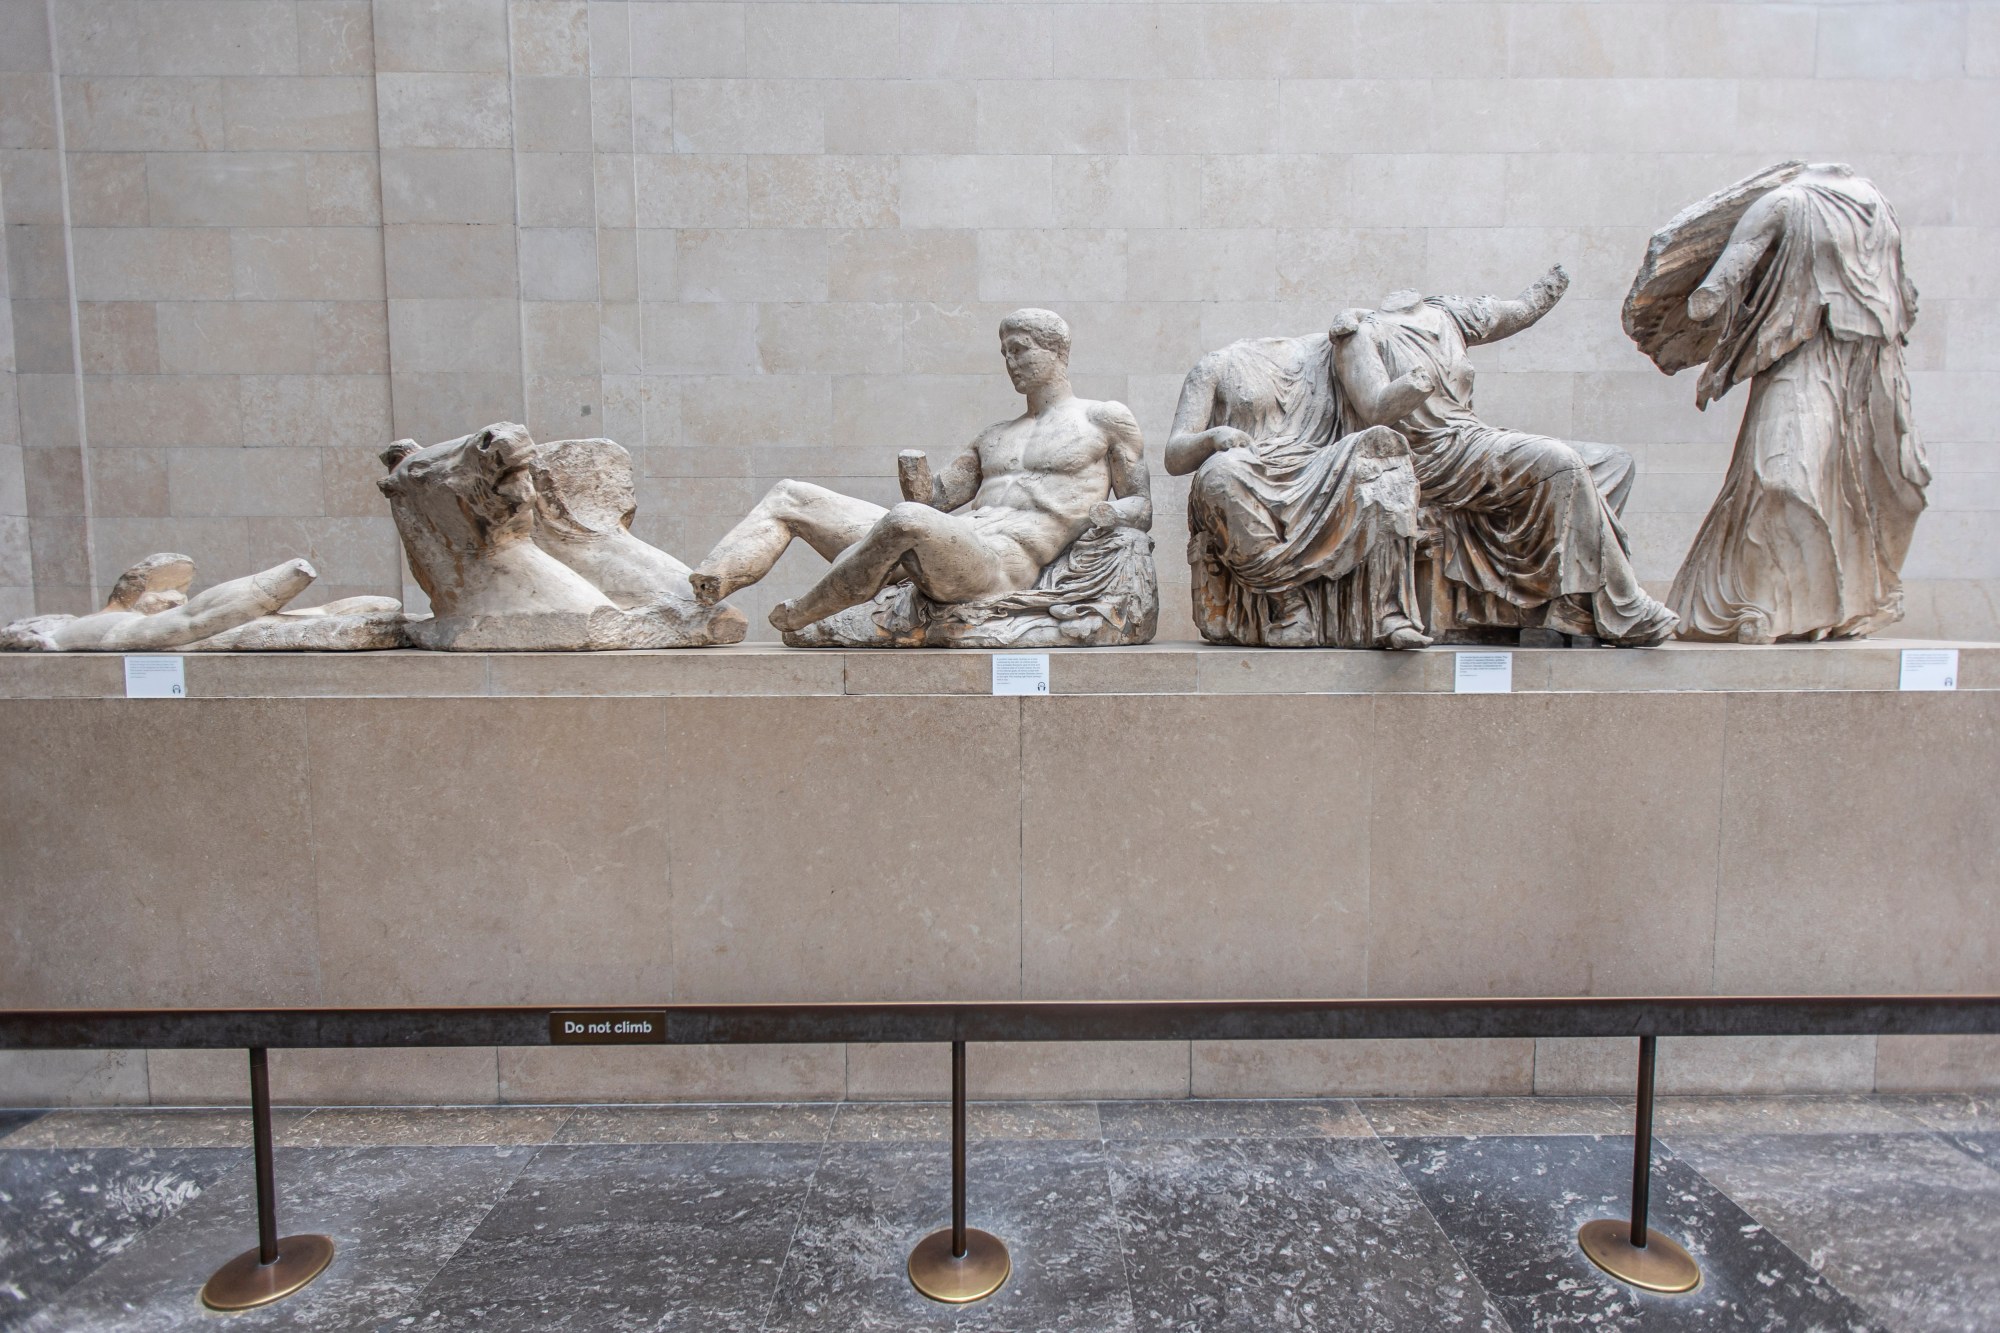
point(155, 678)
point(1021, 673)
point(1484, 673)
point(1929, 669)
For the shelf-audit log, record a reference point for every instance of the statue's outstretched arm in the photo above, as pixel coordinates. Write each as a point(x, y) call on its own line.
point(1131, 503)
point(1500, 317)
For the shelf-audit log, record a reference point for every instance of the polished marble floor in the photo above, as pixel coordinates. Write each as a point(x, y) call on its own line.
point(1807, 1214)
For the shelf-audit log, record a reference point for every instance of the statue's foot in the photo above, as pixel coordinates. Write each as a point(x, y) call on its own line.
point(708, 589)
point(1406, 638)
point(1756, 629)
point(785, 616)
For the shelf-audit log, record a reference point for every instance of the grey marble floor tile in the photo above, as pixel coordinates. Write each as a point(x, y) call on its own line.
point(1496, 1115)
point(1906, 1224)
point(1775, 1115)
point(871, 1202)
point(1982, 1144)
point(200, 1127)
point(1304, 1233)
point(65, 1214)
point(13, 1120)
point(1227, 1119)
point(428, 1126)
point(1954, 1111)
point(879, 1122)
point(628, 1237)
point(395, 1216)
point(1512, 1207)
point(804, 1122)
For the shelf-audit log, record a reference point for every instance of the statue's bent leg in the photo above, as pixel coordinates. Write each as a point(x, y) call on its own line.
point(952, 560)
point(1611, 468)
point(825, 520)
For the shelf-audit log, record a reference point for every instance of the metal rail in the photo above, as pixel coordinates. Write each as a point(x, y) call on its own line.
point(961, 1263)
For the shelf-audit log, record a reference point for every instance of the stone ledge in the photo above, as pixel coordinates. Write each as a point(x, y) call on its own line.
point(1164, 668)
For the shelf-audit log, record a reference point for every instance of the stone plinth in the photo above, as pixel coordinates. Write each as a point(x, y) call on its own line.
point(1175, 821)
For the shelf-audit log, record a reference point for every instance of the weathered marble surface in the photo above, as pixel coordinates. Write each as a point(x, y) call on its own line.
point(1299, 535)
point(522, 545)
point(1902, 1223)
point(1513, 1206)
point(149, 610)
point(396, 1214)
point(1522, 529)
point(1192, 1217)
point(1033, 537)
point(644, 1237)
point(65, 1214)
point(1792, 278)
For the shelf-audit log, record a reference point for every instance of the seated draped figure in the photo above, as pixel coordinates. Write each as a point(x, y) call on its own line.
point(528, 546)
point(1035, 536)
point(149, 610)
point(1522, 530)
point(1298, 535)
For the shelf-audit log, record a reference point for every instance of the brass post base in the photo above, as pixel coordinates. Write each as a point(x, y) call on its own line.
point(957, 1281)
point(1662, 1266)
point(245, 1284)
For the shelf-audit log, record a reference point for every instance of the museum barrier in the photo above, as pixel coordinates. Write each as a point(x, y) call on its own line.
point(958, 1263)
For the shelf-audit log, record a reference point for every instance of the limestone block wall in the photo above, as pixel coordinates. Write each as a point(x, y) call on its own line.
point(250, 241)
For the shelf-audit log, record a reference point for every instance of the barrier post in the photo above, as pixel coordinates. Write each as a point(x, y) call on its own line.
point(276, 1268)
point(1628, 1250)
point(959, 1264)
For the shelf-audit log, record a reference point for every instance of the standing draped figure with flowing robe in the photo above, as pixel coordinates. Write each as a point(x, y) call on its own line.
point(1807, 300)
point(1298, 535)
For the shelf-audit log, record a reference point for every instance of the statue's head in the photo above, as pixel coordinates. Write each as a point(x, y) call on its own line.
point(1036, 345)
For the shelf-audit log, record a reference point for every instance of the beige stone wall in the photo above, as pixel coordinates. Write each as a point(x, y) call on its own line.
point(772, 824)
point(752, 240)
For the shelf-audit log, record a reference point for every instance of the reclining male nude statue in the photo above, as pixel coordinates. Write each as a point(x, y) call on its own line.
point(1529, 534)
point(1299, 535)
point(149, 610)
point(1035, 536)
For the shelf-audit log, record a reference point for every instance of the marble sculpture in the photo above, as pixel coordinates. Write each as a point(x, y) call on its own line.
point(1793, 279)
point(1296, 536)
point(149, 610)
point(1523, 530)
point(528, 546)
point(1034, 537)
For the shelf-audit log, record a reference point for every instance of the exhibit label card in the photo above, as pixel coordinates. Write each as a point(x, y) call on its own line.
point(155, 678)
point(1483, 673)
point(1929, 669)
point(608, 1027)
point(1021, 673)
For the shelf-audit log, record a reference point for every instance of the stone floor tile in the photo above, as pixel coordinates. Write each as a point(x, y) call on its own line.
point(1982, 1144)
point(1774, 1115)
point(429, 1126)
point(395, 1216)
point(1953, 1111)
point(871, 1202)
point(620, 1238)
point(13, 1120)
point(65, 1214)
point(804, 1122)
point(1512, 1207)
point(1305, 1233)
point(1906, 1224)
point(882, 1122)
point(115, 1127)
point(1228, 1119)
point(1496, 1115)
